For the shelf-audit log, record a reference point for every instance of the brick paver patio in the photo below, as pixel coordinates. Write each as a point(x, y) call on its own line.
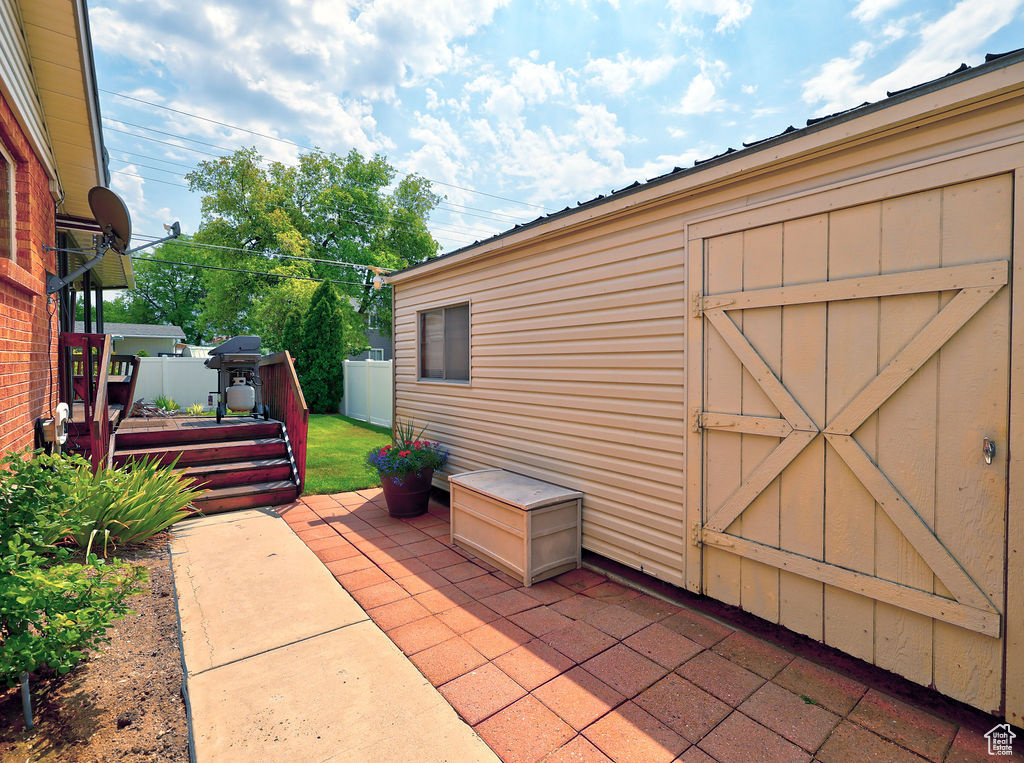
point(580, 668)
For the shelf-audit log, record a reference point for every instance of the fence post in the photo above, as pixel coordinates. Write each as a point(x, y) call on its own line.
point(345, 385)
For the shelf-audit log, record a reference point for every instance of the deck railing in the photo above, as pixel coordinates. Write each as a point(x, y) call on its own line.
point(89, 358)
point(283, 396)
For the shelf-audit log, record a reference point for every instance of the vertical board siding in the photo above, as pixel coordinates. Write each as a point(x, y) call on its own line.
point(576, 378)
point(925, 437)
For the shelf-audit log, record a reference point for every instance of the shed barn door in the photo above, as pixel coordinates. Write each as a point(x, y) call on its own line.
point(853, 364)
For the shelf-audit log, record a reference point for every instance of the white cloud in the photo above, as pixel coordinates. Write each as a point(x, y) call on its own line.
point(749, 89)
point(620, 76)
point(729, 13)
point(867, 10)
point(942, 46)
point(700, 93)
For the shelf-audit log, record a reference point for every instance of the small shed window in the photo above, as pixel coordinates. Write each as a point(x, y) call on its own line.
point(444, 343)
point(7, 208)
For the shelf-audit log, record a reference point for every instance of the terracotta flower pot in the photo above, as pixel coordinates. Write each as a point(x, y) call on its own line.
point(410, 498)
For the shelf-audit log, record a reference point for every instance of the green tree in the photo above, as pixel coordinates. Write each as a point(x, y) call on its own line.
point(291, 332)
point(322, 355)
point(326, 207)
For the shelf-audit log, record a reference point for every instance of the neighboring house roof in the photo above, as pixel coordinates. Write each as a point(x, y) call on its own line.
point(993, 61)
point(139, 330)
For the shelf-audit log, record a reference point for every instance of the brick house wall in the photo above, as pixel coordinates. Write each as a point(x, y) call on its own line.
point(28, 336)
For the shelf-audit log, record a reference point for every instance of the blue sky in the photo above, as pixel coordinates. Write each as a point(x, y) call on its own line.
point(542, 103)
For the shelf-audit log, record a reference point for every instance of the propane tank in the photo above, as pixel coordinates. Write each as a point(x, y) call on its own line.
point(241, 396)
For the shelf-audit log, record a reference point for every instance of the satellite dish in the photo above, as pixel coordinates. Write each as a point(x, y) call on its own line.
point(112, 216)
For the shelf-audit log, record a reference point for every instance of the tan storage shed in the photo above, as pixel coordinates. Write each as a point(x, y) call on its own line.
point(777, 378)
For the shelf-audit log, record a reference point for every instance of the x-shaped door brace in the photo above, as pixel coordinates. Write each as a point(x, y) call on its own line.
point(976, 285)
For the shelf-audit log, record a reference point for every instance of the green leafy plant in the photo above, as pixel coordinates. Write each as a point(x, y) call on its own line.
point(129, 505)
point(165, 403)
point(408, 453)
point(143, 354)
point(196, 409)
point(322, 360)
point(53, 609)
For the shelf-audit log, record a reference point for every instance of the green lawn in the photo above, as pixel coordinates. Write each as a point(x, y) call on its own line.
point(335, 451)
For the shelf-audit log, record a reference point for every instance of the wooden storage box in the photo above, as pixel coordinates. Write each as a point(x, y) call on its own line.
point(524, 527)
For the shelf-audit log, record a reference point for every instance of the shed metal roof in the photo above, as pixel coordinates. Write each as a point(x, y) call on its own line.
point(151, 330)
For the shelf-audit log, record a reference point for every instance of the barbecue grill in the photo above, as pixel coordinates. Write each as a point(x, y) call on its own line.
point(239, 388)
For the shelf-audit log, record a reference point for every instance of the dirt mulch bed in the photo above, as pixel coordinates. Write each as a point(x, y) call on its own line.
point(122, 704)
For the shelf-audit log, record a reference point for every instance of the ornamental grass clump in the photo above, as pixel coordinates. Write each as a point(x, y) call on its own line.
point(408, 453)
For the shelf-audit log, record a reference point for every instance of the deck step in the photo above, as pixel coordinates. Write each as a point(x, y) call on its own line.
point(148, 438)
point(228, 473)
point(195, 454)
point(247, 496)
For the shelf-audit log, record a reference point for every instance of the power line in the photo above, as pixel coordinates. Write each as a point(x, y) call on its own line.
point(293, 143)
point(165, 142)
point(249, 272)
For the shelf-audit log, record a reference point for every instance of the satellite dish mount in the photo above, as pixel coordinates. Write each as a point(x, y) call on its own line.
point(115, 224)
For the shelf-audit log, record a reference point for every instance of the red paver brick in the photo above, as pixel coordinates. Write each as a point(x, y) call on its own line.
point(443, 598)
point(332, 541)
point(579, 580)
point(802, 723)
point(379, 595)
point(618, 622)
point(624, 670)
point(353, 581)
point(665, 647)
point(509, 602)
point(578, 698)
point(686, 709)
point(524, 732)
point(481, 692)
point(908, 726)
point(970, 746)
point(754, 654)
point(462, 570)
point(612, 593)
point(497, 637)
point(385, 555)
point(441, 559)
point(349, 564)
point(404, 568)
point(539, 620)
point(628, 734)
point(695, 755)
point(424, 547)
point(828, 688)
point(651, 608)
point(408, 535)
point(317, 533)
point(419, 635)
point(397, 613)
point(483, 586)
point(726, 680)
point(466, 617)
point(422, 582)
point(447, 660)
point(579, 606)
point(533, 663)
point(579, 641)
point(738, 739)
point(547, 592)
point(369, 534)
point(579, 750)
point(392, 527)
point(697, 627)
point(850, 742)
point(334, 553)
point(504, 577)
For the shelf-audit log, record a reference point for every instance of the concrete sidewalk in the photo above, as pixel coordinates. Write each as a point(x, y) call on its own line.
point(282, 664)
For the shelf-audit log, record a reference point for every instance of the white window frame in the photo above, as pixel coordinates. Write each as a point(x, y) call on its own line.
point(468, 304)
point(376, 353)
point(12, 210)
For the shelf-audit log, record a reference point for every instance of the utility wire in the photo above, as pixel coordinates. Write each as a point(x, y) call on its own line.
point(293, 143)
point(239, 270)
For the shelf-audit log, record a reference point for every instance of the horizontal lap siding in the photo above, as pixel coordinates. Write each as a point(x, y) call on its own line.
point(577, 378)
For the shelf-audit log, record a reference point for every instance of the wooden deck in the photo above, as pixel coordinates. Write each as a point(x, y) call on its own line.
point(78, 413)
point(186, 423)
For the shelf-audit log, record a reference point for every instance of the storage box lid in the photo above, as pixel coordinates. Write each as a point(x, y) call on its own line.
point(509, 487)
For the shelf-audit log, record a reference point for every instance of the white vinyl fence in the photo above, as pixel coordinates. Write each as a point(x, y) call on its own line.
point(185, 380)
point(368, 391)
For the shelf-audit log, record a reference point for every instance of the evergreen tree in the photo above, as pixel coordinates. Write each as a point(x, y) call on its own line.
point(291, 333)
point(322, 359)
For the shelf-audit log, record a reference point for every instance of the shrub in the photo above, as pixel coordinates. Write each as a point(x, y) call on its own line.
point(128, 505)
point(196, 409)
point(322, 361)
point(166, 403)
point(52, 608)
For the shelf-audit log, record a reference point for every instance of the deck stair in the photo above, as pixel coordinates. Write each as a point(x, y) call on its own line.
point(242, 463)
